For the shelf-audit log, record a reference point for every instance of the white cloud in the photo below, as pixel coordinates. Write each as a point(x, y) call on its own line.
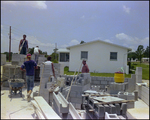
point(34, 4)
point(71, 43)
point(127, 40)
point(107, 40)
point(126, 9)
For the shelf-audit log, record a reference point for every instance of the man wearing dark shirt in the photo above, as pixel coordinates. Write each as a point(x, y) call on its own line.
point(23, 45)
point(29, 65)
point(85, 68)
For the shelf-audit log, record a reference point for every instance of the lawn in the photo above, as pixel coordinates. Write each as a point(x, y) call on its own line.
point(145, 71)
point(66, 71)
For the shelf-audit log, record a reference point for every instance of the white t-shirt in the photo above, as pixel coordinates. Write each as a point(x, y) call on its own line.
point(36, 50)
point(49, 64)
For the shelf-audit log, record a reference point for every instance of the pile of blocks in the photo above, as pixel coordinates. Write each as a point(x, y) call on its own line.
point(127, 96)
point(114, 87)
point(100, 109)
point(75, 96)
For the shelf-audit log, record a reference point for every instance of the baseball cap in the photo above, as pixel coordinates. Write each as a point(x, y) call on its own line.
point(28, 55)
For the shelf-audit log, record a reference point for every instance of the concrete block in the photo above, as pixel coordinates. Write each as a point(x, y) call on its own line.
point(136, 95)
point(130, 96)
point(102, 86)
point(117, 109)
point(138, 71)
point(96, 82)
point(138, 78)
point(101, 78)
point(101, 111)
point(112, 109)
point(76, 100)
point(123, 108)
point(76, 88)
point(78, 106)
point(3, 59)
point(130, 105)
point(73, 94)
point(107, 108)
point(104, 82)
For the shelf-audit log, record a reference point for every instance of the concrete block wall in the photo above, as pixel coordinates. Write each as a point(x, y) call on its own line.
point(3, 59)
point(145, 94)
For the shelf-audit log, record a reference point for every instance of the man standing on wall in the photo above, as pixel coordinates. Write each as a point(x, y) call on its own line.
point(29, 65)
point(36, 53)
point(85, 68)
point(23, 46)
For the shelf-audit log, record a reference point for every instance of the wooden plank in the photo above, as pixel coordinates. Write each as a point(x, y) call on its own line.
point(47, 110)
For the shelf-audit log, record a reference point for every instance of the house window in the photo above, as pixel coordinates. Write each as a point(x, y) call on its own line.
point(113, 55)
point(84, 54)
point(64, 57)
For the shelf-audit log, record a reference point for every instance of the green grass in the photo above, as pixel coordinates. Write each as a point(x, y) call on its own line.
point(145, 69)
point(67, 72)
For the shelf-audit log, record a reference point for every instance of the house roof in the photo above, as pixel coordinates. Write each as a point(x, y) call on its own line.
point(63, 50)
point(98, 41)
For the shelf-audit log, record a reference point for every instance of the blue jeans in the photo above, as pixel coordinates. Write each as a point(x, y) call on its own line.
point(30, 82)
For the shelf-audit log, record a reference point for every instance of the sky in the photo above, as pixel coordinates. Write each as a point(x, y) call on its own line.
point(67, 23)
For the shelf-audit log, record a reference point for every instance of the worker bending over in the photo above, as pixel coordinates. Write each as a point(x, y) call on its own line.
point(29, 65)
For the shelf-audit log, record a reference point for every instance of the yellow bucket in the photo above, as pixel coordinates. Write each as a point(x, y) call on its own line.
point(119, 77)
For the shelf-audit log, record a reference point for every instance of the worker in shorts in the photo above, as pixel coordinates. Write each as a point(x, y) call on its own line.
point(29, 65)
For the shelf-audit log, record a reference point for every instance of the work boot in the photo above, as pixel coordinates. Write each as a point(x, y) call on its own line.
point(28, 98)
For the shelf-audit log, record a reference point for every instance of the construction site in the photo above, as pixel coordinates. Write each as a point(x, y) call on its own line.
point(78, 96)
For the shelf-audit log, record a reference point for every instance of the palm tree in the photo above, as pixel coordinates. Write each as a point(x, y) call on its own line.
point(140, 52)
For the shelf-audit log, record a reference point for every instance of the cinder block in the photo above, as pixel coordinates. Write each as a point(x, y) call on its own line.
point(104, 82)
point(130, 96)
point(101, 111)
point(107, 108)
point(76, 88)
point(138, 71)
point(96, 82)
point(130, 105)
point(78, 106)
point(117, 109)
point(76, 100)
point(112, 109)
point(102, 86)
point(101, 78)
point(73, 94)
point(123, 108)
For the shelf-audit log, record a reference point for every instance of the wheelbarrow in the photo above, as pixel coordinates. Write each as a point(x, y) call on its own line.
point(15, 86)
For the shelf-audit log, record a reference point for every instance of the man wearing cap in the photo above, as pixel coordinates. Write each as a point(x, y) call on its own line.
point(85, 68)
point(29, 65)
point(23, 46)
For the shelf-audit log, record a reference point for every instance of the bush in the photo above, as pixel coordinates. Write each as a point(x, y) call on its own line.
point(55, 61)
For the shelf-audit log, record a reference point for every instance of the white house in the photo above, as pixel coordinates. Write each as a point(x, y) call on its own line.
point(63, 56)
point(102, 57)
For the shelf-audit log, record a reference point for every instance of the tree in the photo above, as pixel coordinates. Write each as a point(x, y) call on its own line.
point(31, 50)
point(140, 52)
point(82, 42)
point(146, 52)
point(132, 55)
point(53, 56)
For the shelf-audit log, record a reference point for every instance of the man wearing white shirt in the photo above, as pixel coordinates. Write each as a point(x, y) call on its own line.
point(36, 53)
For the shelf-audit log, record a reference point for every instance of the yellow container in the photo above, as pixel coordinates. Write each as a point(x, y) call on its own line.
point(119, 77)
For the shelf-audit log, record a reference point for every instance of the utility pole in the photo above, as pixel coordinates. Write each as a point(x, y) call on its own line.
point(9, 42)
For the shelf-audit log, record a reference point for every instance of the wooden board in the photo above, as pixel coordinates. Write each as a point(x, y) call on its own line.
point(47, 110)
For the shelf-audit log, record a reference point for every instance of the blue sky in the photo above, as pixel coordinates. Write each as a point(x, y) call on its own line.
point(66, 23)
